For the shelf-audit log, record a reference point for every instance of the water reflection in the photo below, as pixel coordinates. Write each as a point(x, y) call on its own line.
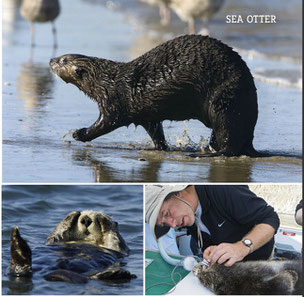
point(19, 285)
point(149, 166)
point(35, 85)
point(230, 171)
point(103, 172)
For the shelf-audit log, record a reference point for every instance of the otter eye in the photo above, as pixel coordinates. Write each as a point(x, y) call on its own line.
point(63, 60)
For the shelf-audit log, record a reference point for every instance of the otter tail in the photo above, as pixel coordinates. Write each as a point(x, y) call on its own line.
point(21, 255)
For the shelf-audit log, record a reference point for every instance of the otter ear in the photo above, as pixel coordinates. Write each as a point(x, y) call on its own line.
point(61, 232)
point(79, 71)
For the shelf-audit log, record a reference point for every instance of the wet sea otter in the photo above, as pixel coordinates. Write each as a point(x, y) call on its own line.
point(276, 277)
point(89, 245)
point(189, 77)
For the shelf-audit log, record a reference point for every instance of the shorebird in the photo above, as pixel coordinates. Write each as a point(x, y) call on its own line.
point(164, 11)
point(190, 10)
point(40, 11)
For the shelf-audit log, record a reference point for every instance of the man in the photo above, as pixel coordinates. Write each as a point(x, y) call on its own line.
point(229, 223)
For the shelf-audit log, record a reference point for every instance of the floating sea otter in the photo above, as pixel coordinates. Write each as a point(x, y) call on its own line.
point(277, 277)
point(189, 77)
point(89, 244)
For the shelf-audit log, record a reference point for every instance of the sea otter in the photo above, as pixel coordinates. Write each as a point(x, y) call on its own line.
point(189, 77)
point(89, 245)
point(276, 277)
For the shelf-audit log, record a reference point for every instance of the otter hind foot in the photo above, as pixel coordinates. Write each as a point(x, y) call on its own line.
point(62, 275)
point(156, 132)
point(114, 273)
point(21, 255)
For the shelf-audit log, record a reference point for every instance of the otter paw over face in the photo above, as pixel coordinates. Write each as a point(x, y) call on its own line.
point(92, 227)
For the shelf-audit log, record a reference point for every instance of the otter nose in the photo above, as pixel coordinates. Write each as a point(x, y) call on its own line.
point(54, 61)
point(86, 221)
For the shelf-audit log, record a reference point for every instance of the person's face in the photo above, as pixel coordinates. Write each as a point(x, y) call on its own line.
point(175, 213)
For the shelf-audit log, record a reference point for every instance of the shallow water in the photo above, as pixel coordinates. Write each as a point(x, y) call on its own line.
point(39, 109)
point(38, 209)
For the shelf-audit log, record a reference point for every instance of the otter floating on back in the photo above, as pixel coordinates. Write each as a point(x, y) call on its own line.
point(189, 77)
point(89, 248)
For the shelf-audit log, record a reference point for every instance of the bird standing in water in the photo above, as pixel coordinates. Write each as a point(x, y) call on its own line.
point(164, 11)
point(40, 11)
point(190, 10)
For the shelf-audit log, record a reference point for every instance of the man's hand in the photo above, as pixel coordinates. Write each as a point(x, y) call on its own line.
point(226, 253)
point(229, 253)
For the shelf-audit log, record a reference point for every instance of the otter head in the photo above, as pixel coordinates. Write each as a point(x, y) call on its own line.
point(75, 69)
point(93, 227)
point(209, 277)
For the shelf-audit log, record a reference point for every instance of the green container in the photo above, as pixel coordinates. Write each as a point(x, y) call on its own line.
point(159, 278)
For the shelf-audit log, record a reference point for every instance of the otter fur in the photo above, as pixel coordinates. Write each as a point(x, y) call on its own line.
point(92, 227)
point(276, 277)
point(89, 245)
point(189, 77)
point(21, 255)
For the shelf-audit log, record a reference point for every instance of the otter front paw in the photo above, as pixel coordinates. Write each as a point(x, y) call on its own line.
point(81, 135)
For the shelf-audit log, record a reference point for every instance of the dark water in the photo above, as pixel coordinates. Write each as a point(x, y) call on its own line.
point(38, 209)
point(38, 109)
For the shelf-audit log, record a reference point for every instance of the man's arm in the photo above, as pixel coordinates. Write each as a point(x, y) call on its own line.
point(230, 253)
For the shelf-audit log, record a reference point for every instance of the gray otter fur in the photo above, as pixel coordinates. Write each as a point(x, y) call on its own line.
point(189, 77)
point(276, 277)
point(89, 232)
